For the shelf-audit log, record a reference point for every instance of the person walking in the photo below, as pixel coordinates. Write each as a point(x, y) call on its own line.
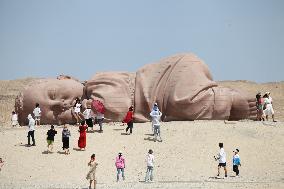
point(120, 166)
point(221, 156)
point(92, 172)
point(156, 117)
point(129, 120)
point(82, 138)
point(236, 162)
point(268, 108)
point(50, 138)
point(150, 166)
point(65, 139)
point(31, 133)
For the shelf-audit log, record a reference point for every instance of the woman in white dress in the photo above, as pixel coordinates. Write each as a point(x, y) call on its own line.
point(268, 108)
point(77, 110)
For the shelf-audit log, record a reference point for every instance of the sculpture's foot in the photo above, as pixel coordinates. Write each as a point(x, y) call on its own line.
point(242, 107)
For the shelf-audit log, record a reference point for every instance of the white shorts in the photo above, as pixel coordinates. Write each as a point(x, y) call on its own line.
point(14, 123)
point(37, 118)
point(77, 110)
point(269, 110)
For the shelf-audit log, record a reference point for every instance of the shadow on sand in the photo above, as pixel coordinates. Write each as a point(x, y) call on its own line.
point(59, 152)
point(149, 139)
point(45, 152)
point(149, 134)
point(118, 129)
point(78, 149)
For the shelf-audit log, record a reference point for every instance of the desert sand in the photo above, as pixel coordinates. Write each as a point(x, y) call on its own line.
point(183, 160)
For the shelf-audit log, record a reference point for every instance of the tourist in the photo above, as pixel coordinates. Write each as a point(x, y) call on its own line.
point(1, 163)
point(129, 120)
point(37, 114)
point(50, 138)
point(88, 117)
point(92, 172)
point(221, 156)
point(14, 119)
point(259, 107)
point(77, 110)
point(31, 133)
point(65, 139)
point(120, 166)
point(99, 117)
point(236, 162)
point(82, 138)
point(268, 108)
point(150, 166)
point(156, 117)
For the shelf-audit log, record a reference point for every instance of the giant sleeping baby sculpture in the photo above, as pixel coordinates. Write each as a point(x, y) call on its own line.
point(181, 85)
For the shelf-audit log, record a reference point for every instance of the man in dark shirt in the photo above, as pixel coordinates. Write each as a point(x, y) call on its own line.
point(50, 138)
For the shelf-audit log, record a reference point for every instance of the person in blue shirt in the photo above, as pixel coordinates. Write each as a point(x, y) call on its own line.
point(236, 162)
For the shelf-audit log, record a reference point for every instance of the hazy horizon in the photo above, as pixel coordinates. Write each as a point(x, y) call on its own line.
point(238, 40)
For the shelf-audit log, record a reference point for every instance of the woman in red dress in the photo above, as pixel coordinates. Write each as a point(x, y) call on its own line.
point(82, 138)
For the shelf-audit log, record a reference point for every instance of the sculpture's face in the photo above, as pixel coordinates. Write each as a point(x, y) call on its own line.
point(55, 98)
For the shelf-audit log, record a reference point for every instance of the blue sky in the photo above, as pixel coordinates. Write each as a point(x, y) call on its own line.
point(237, 39)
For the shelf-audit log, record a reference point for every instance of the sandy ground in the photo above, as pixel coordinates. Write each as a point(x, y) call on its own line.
point(183, 160)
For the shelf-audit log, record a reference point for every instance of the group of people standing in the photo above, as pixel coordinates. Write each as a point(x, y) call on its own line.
point(120, 165)
point(264, 106)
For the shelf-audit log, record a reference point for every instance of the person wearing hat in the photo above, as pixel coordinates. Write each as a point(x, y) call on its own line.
point(268, 108)
point(129, 120)
point(156, 118)
point(31, 133)
point(120, 166)
point(236, 162)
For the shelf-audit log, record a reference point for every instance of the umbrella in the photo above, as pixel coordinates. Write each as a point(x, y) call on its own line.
point(98, 106)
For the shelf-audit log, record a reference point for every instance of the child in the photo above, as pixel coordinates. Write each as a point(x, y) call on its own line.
point(1, 163)
point(129, 119)
point(50, 138)
point(37, 114)
point(88, 117)
point(221, 156)
point(92, 172)
point(65, 139)
point(236, 162)
point(14, 119)
point(150, 166)
point(156, 116)
point(120, 165)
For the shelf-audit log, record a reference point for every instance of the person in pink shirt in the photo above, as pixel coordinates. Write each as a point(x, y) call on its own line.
point(120, 165)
